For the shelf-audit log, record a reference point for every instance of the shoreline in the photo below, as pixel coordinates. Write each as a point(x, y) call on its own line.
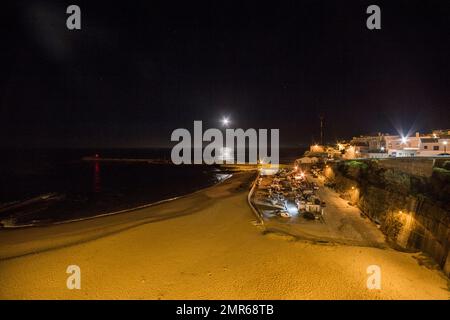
point(99, 221)
point(3, 225)
point(145, 205)
point(203, 246)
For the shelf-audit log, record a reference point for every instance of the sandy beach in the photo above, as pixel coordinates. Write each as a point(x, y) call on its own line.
point(203, 246)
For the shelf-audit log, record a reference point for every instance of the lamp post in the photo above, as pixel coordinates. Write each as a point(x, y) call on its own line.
point(445, 146)
point(225, 153)
point(354, 195)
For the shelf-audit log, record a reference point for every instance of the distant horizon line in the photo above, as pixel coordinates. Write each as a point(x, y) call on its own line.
point(117, 147)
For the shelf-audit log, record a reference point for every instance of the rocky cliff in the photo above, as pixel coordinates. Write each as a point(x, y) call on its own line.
point(412, 209)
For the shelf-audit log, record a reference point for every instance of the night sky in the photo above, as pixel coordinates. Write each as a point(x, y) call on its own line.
point(137, 70)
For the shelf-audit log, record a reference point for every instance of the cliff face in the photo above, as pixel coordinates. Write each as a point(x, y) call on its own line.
point(413, 210)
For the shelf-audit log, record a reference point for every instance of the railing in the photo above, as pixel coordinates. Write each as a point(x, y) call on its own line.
point(249, 200)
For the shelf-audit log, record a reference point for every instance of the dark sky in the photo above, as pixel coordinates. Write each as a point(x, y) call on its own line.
point(140, 69)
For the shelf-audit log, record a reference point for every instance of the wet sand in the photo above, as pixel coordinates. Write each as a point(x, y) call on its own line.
point(203, 246)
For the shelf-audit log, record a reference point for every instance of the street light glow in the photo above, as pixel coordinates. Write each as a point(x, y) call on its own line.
point(404, 140)
point(225, 121)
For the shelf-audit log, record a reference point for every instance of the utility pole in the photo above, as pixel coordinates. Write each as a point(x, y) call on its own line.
point(321, 129)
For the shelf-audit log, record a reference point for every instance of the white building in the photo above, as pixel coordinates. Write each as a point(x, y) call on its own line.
point(373, 143)
point(418, 146)
point(398, 146)
point(317, 148)
point(430, 147)
point(402, 152)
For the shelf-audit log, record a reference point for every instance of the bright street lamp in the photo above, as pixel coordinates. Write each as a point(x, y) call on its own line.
point(225, 121)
